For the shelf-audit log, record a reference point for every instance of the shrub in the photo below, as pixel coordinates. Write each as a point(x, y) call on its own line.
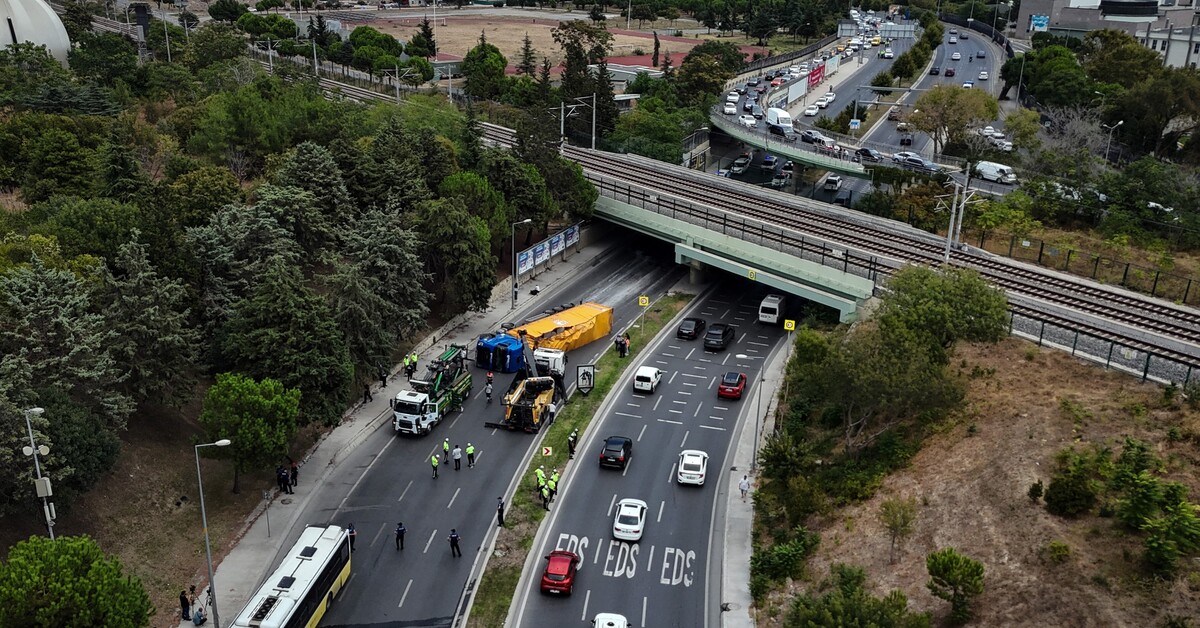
point(784, 560)
point(1070, 494)
point(1035, 491)
point(955, 578)
point(1058, 552)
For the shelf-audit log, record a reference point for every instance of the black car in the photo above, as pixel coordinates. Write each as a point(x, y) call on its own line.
point(757, 112)
point(691, 328)
point(741, 89)
point(786, 132)
point(934, 71)
point(864, 155)
point(718, 337)
point(617, 452)
point(754, 82)
point(808, 136)
point(748, 105)
point(980, 55)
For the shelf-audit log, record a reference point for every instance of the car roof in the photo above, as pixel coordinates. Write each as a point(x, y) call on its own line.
point(610, 620)
point(622, 439)
point(717, 326)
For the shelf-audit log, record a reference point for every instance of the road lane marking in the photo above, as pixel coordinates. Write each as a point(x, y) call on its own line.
point(630, 403)
point(697, 412)
point(650, 563)
point(678, 401)
point(716, 418)
point(586, 597)
point(689, 355)
point(632, 416)
point(674, 346)
point(757, 344)
point(726, 360)
point(453, 498)
point(455, 421)
point(695, 376)
point(684, 392)
point(596, 560)
point(377, 535)
point(670, 421)
point(661, 505)
point(405, 596)
point(365, 471)
point(720, 407)
point(671, 473)
point(712, 382)
point(405, 492)
point(723, 315)
point(688, 384)
point(674, 412)
point(711, 427)
point(641, 432)
point(662, 362)
point(643, 611)
point(685, 435)
point(626, 469)
point(427, 543)
point(673, 374)
point(656, 402)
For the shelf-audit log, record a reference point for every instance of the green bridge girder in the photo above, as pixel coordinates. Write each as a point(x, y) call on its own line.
point(809, 280)
point(789, 150)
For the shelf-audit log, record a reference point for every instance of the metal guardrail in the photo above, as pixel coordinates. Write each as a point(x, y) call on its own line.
point(790, 150)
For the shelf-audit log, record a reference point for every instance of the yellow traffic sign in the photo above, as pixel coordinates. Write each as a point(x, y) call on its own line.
point(643, 301)
point(752, 274)
point(547, 451)
point(789, 324)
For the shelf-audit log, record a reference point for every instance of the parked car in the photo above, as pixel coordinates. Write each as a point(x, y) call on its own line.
point(616, 452)
point(768, 163)
point(780, 180)
point(718, 337)
point(832, 183)
point(812, 110)
point(559, 575)
point(788, 168)
point(690, 328)
point(740, 165)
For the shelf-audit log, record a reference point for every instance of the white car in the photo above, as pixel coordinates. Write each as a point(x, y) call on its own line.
point(968, 84)
point(987, 131)
point(1004, 145)
point(646, 379)
point(888, 54)
point(822, 102)
point(730, 108)
point(956, 57)
point(630, 521)
point(812, 110)
point(983, 76)
point(733, 97)
point(830, 96)
point(902, 155)
point(954, 40)
point(693, 466)
point(611, 620)
point(747, 120)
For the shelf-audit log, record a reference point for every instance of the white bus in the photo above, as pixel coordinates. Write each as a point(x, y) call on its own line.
point(302, 588)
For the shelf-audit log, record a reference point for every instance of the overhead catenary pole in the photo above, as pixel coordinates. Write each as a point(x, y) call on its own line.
point(41, 485)
point(594, 121)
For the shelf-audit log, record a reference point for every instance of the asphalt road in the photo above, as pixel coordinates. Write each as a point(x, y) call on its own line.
point(388, 478)
point(663, 580)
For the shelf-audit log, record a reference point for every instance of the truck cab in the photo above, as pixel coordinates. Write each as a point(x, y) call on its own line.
point(412, 413)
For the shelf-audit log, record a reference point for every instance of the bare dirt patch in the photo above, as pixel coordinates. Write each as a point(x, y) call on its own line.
point(971, 491)
point(459, 35)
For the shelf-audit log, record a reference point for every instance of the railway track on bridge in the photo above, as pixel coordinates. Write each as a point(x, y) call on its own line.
point(1176, 323)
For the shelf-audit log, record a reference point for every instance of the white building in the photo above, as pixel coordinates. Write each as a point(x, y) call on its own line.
point(33, 21)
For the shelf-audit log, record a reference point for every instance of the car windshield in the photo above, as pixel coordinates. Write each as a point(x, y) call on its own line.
point(715, 331)
point(627, 518)
point(408, 407)
point(688, 325)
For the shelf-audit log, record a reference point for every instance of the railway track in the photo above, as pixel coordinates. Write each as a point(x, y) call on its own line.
point(1172, 322)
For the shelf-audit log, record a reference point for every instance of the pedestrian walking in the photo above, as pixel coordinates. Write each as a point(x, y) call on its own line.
point(294, 474)
point(353, 535)
point(382, 376)
point(500, 512)
point(280, 478)
point(454, 539)
point(446, 449)
point(457, 455)
point(367, 393)
point(571, 444)
point(545, 497)
point(400, 530)
point(185, 605)
point(487, 390)
point(434, 462)
point(552, 484)
point(744, 486)
point(470, 455)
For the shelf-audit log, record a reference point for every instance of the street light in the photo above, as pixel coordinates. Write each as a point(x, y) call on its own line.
point(212, 588)
point(42, 485)
point(758, 411)
point(514, 256)
point(1110, 134)
point(996, 14)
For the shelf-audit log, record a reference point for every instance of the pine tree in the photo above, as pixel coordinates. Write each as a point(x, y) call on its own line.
point(312, 168)
point(472, 138)
point(545, 89)
point(362, 313)
point(387, 250)
point(606, 104)
point(457, 253)
point(667, 69)
point(528, 64)
point(121, 176)
point(654, 57)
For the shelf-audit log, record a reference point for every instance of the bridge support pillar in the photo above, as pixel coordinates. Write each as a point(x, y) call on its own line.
point(697, 272)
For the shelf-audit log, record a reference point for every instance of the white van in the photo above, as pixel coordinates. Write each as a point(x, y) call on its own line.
point(772, 309)
point(992, 171)
point(646, 379)
point(779, 116)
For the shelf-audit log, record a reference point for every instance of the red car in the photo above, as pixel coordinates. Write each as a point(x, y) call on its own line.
point(732, 385)
point(559, 576)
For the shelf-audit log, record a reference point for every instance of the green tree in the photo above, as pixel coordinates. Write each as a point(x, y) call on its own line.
point(1113, 56)
point(120, 174)
point(286, 332)
point(97, 226)
point(423, 43)
point(88, 588)
point(898, 516)
point(728, 56)
point(522, 185)
point(947, 112)
point(944, 307)
point(457, 253)
point(213, 43)
point(197, 195)
point(152, 340)
point(699, 77)
point(1173, 535)
point(761, 25)
point(386, 248)
point(188, 20)
point(26, 69)
point(258, 418)
point(483, 201)
point(1012, 213)
point(226, 10)
point(362, 313)
point(848, 603)
point(104, 58)
point(76, 17)
point(955, 578)
point(57, 164)
point(528, 63)
point(483, 68)
point(654, 55)
point(312, 168)
point(1024, 126)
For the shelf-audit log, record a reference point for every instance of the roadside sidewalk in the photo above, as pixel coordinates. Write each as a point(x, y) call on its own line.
point(252, 556)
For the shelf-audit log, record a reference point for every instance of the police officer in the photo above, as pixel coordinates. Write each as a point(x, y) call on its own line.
point(554, 476)
point(446, 449)
point(540, 472)
point(400, 530)
point(552, 485)
point(571, 445)
point(545, 497)
point(470, 455)
point(500, 512)
point(434, 461)
point(454, 539)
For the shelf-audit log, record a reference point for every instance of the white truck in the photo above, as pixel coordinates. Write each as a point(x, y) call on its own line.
point(992, 171)
point(550, 362)
point(779, 116)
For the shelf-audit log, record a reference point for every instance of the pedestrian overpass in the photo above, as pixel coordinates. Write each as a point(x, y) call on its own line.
point(709, 238)
point(797, 151)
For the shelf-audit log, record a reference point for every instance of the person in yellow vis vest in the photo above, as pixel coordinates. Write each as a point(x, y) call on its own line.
point(552, 486)
point(554, 476)
point(434, 462)
point(546, 497)
point(446, 449)
point(540, 472)
point(470, 455)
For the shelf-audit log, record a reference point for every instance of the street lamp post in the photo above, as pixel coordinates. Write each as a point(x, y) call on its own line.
point(1110, 134)
point(514, 256)
point(42, 485)
point(212, 588)
point(759, 379)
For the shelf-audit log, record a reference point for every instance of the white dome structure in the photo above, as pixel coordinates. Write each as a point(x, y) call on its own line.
point(35, 22)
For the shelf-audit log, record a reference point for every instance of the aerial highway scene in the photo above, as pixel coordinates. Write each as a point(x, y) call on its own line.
point(663, 315)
